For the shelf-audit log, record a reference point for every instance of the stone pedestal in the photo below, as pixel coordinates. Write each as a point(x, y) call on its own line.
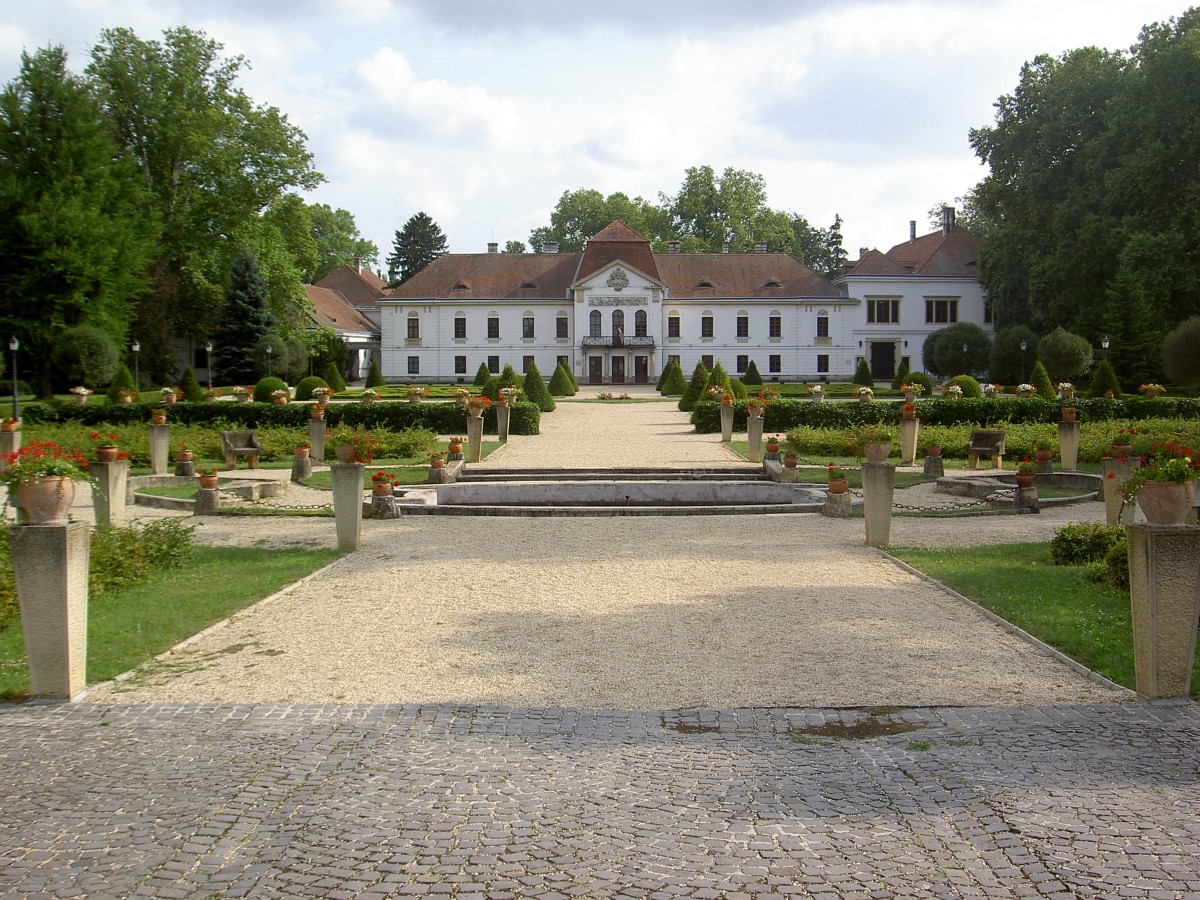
point(1164, 587)
point(474, 438)
point(1045, 467)
point(879, 482)
point(316, 439)
point(726, 424)
point(347, 503)
point(909, 430)
point(934, 467)
point(301, 468)
point(502, 417)
point(185, 470)
point(754, 431)
point(1068, 445)
point(208, 501)
point(160, 448)
point(1116, 471)
point(50, 563)
point(384, 507)
point(789, 476)
point(10, 442)
point(109, 482)
point(1026, 498)
point(838, 506)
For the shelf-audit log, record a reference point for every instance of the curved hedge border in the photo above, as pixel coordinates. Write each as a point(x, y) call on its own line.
point(784, 415)
point(441, 418)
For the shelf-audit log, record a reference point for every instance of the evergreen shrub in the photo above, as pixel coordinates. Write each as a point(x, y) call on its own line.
point(192, 392)
point(304, 390)
point(375, 375)
point(751, 376)
point(262, 390)
point(333, 378)
point(1040, 379)
point(123, 379)
point(970, 387)
point(862, 375)
point(536, 391)
point(695, 388)
point(560, 382)
point(482, 374)
point(675, 382)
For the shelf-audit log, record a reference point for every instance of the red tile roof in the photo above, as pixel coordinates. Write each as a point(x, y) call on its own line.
point(331, 310)
point(617, 241)
point(491, 275)
point(740, 275)
point(359, 288)
point(955, 253)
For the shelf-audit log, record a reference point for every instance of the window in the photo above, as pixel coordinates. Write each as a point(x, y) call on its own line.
point(943, 311)
point(460, 365)
point(618, 323)
point(823, 363)
point(414, 365)
point(493, 328)
point(639, 323)
point(562, 328)
point(742, 362)
point(494, 365)
point(564, 362)
point(414, 327)
point(708, 361)
point(673, 358)
point(526, 362)
point(883, 311)
point(594, 323)
point(527, 328)
point(987, 312)
point(673, 326)
point(706, 326)
point(774, 363)
point(743, 326)
point(822, 325)
point(775, 327)
point(460, 328)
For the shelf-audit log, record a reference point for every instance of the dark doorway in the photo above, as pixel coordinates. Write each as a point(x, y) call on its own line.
point(595, 370)
point(618, 370)
point(641, 370)
point(883, 360)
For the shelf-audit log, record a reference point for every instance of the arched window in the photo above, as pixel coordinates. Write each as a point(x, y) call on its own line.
point(562, 327)
point(594, 323)
point(822, 324)
point(618, 322)
point(639, 323)
point(414, 326)
point(460, 326)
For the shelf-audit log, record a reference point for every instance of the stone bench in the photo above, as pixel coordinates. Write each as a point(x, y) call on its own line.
point(240, 443)
point(986, 442)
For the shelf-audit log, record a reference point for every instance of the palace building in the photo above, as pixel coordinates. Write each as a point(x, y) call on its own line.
point(618, 312)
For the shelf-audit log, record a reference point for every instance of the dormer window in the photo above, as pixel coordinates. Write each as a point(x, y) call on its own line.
point(528, 286)
point(705, 285)
point(772, 285)
point(461, 286)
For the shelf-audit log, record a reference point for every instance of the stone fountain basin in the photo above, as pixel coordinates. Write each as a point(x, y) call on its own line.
point(627, 493)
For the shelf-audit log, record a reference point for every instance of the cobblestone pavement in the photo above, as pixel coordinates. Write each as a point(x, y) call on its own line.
point(472, 802)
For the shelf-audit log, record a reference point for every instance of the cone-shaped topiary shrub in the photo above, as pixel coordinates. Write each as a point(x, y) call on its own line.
point(123, 379)
point(482, 374)
point(1040, 379)
point(751, 376)
point(190, 387)
point(695, 388)
point(333, 378)
point(535, 389)
point(738, 389)
point(1104, 379)
point(862, 375)
point(560, 382)
point(675, 383)
point(719, 377)
point(375, 375)
point(901, 375)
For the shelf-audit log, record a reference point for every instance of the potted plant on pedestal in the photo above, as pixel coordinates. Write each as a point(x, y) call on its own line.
point(207, 476)
point(1164, 485)
point(1026, 473)
point(874, 442)
point(106, 446)
point(350, 445)
point(81, 393)
point(838, 483)
point(42, 475)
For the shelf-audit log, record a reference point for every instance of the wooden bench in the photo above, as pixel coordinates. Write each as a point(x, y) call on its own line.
point(240, 443)
point(986, 442)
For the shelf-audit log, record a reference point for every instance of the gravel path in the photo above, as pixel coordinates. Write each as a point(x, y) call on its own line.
point(626, 613)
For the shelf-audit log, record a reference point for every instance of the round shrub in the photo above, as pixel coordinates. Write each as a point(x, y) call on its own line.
point(262, 390)
point(970, 387)
point(304, 390)
point(87, 355)
point(922, 379)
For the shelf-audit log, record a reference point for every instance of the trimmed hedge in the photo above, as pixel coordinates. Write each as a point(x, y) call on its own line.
point(442, 418)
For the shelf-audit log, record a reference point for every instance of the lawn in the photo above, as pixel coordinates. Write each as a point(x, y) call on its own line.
point(1060, 605)
point(130, 627)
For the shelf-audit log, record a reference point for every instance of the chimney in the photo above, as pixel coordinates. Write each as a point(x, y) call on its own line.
point(912, 229)
point(760, 246)
point(863, 251)
point(725, 247)
point(358, 264)
point(947, 219)
point(550, 247)
point(672, 246)
point(493, 247)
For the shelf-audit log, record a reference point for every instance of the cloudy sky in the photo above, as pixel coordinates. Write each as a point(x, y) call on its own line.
point(482, 112)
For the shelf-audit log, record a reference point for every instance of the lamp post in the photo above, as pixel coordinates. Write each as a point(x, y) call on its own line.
point(269, 351)
point(1024, 347)
point(208, 361)
point(135, 347)
point(312, 356)
point(965, 348)
point(1104, 342)
point(14, 345)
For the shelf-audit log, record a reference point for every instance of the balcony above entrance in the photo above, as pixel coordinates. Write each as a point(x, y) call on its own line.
point(617, 340)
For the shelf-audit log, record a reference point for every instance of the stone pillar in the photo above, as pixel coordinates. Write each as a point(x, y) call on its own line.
point(208, 500)
point(934, 467)
point(347, 503)
point(502, 415)
point(726, 424)
point(316, 439)
point(909, 430)
point(837, 506)
point(1026, 498)
point(160, 448)
point(1068, 445)
point(301, 467)
point(185, 469)
point(754, 430)
point(50, 563)
point(474, 438)
point(109, 482)
point(10, 442)
point(879, 482)
point(1164, 587)
point(1115, 471)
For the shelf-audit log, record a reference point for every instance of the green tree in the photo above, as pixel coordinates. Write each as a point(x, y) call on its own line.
point(123, 379)
point(375, 375)
point(675, 383)
point(943, 352)
point(901, 374)
point(1104, 379)
point(514, 247)
point(482, 374)
point(333, 377)
point(560, 382)
point(1066, 356)
point(243, 325)
point(86, 355)
point(862, 375)
point(1042, 385)
point(1181, 353)
point(212, 162)
point(73, 235)
point(582, 213)
point(327, 349)
point(1009, 363)
point(751, 376)
point(508, 375)
point(416, 245)
point(192, 392)
point(718, 377)
point(338, 242)
point(695, 387)
point(535, 389)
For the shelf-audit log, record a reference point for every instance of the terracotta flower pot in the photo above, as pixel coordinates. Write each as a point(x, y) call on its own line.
point(838, 485)
point(933, 450)
point(772, 446)
point(877, 451)
point(46, 500)
point(908, 414)
point(11, 426)
point(502, 403)
point(437, 463)
point(208, 482)
point(381, 488)
point(789, 462)
point(1044, 456)
point(1166, 503)
point(302, 452)
point(81, 398)
point(107, 454)
point(725, 402)
point(455, 448)
point(158, 420)
point(344, 453)
point(169, 398)
point(183, 456)
point(1068, 415)
point(1121, 451)
point(315, 413)
point(124, 398)
point(1025, 481)
point(475, 412)
point(279, 401)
